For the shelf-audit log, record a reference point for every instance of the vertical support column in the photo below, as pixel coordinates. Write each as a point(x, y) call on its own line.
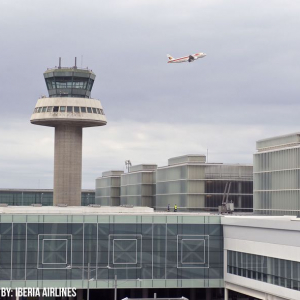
point(67, 165)
point(225, 294)
point(116, 280)
point(239, 204)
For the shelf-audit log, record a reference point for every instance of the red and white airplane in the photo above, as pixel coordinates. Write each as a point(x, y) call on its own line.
point(189, 58)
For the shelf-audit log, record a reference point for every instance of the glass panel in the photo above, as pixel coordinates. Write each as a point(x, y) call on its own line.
point(89, 110)
point(83, 109)
point(39, 109)
point(98, 110)
point(62, 109)
point(44, 109)
point(49, 109)
point(94, 110)
point(70, 109)
point(90, 84)
point(55, 108)
point(76, 109)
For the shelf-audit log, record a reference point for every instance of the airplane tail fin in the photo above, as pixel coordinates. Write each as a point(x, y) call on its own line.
point(170, 57)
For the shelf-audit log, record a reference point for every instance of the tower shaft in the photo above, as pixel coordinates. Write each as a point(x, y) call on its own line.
point(67, 165)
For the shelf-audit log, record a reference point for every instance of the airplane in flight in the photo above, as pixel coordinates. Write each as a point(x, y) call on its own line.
point(189, 58)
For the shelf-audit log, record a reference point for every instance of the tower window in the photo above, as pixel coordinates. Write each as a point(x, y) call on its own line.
point(90, 84)
point(62, 109)
point(44, 109)
point(76, 109)
point(89, 110)
point(55, 108)
point(94, 110)
point(98, 111)
point(49, 109)
point(83, 109)
point(69, 109)
point(39, 109)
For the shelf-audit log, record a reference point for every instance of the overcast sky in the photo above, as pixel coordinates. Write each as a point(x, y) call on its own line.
point(247, 87)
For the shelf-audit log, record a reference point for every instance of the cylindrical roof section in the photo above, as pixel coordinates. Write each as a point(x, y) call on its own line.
point(69, 82)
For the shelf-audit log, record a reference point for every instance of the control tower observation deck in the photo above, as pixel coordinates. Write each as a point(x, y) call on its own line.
point(68, 109)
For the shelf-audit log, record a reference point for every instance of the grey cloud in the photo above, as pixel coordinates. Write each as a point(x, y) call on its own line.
point(249, 79)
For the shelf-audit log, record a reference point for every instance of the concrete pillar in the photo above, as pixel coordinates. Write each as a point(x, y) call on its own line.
point(225, 294)
point(67, 165)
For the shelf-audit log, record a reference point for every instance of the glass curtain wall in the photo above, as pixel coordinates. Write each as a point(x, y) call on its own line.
point(277, 182)
point(285, 273)
point(108, 191)
point(26, 198)
point(183, 251)
point(195, 187)
point(138, 188)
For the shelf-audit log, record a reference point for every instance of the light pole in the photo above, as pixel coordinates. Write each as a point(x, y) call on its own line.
point(88, 290)
point(116, 281)
point(116, 285)
point(92, 279)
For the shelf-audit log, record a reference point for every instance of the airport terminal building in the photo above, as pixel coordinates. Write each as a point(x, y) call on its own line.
point(276, 176)
point(187, 181)
point(142, 252)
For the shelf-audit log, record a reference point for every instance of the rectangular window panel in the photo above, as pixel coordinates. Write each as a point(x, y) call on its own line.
point(54, 251)
point(89, 110)
point(62, 109)
point(192, 251)
point(55, 108)
point(83, 109)
point(263, 268)
point(125, 251)
point(44, 109)
point(69, 109)
point(49, 109)
point(76, 109)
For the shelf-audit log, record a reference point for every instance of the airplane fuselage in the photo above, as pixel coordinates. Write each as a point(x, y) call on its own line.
point(189, 58)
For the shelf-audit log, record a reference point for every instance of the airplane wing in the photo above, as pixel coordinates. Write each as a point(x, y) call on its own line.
point(191, 58)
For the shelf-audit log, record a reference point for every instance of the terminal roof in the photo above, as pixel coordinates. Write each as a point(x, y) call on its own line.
point(88, 210)
point(281, 141)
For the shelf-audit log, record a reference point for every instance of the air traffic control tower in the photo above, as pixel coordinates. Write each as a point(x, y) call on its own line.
point(68, 109)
